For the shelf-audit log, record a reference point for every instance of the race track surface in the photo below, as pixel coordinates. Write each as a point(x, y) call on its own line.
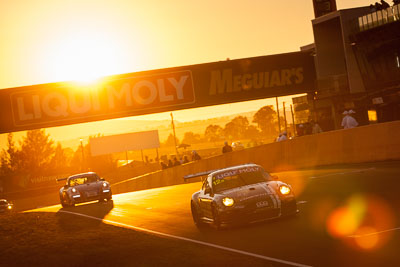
point(349, 216)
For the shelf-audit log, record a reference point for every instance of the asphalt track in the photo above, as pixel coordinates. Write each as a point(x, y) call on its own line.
point(349, 216)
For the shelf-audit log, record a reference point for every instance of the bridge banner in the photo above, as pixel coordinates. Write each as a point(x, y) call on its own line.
point(147, 92)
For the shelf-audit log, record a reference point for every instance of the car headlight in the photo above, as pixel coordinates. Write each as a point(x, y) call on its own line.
point(105, 184)
point(9, 207)
point(73, 190)
point(227, 201)
point(285, 190)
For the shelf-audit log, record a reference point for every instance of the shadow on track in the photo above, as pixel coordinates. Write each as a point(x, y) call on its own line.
point(95, 209)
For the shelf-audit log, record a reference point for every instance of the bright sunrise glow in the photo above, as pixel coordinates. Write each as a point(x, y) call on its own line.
point(47, 41)
point(84, 56)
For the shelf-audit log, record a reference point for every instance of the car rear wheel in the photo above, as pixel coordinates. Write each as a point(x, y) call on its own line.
point(196, 217)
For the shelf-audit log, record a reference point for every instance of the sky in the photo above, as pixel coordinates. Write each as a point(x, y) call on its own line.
point(46, 41)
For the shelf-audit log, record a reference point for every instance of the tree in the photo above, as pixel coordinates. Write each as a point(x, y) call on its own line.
point(10, 158)
point(213, 133)
point(37, 151)
point(252, 132)
point(191, 138)
point(265, 119)
point(237, 127)
point(60, 160)
point(171, 141)
point(76, 163)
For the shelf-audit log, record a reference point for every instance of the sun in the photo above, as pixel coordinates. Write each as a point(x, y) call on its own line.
point(84, 57)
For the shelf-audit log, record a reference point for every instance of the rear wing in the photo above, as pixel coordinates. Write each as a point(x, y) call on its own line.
point(61, 179)
point(198, 174)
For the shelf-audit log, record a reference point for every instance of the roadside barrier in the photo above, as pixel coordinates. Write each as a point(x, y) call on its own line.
point(370, 143)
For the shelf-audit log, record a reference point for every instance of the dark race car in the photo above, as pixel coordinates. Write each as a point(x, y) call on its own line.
point(5, 206)
point(84, 187)
point(240, 194)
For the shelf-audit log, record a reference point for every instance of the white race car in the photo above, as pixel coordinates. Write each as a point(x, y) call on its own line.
point(84, 187)
point(243, 193)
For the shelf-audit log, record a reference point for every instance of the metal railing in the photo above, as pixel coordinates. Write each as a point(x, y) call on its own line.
point(378, 18)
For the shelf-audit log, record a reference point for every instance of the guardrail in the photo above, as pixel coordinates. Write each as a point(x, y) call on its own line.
point(378, 18)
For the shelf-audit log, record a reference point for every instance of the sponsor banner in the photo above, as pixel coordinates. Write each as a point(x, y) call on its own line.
point(48, 105)
point(47, 179)
point(124, 142)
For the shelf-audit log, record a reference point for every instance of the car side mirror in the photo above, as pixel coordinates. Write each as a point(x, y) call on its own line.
point(65, 186)
point(275, 177)
point(102, 179)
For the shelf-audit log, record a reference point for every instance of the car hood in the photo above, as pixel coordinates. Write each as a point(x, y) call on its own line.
point(253, 191)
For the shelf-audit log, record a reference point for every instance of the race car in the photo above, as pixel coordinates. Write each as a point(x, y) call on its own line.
point(5, 206)
point(84, 187)
point(240, 194)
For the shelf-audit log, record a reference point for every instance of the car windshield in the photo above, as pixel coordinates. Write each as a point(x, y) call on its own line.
point(240, 177)
point(73, 181)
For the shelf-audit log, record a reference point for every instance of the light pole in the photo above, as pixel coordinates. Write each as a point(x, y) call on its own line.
point(277, 111)
point(173, 128)
point(83, 154)
point(284, 116)
point(293, 122)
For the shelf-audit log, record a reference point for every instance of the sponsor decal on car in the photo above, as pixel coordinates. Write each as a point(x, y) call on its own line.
point(262, 204)
point(236, 172)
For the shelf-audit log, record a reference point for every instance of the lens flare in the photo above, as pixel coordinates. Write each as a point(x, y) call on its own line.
point(341, 222)
point(345, 220)
point(366, 238)
point(362, 220)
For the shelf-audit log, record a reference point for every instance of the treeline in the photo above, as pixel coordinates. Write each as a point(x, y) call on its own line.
point(37, 157)
point(263, 126)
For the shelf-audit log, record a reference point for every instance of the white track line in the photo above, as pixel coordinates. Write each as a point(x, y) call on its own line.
point(341, 173)
point(375, 233)
point(188, 240)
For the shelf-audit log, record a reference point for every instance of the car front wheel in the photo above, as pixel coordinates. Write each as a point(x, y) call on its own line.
point(216, 218)
point(196, 217)
point(64, 201)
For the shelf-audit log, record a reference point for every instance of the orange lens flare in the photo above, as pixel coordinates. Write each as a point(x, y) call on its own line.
point(366, 238)
point(342, 222)
point(361, 219)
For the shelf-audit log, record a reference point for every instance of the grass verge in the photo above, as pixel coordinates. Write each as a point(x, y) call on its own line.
point(59, 239)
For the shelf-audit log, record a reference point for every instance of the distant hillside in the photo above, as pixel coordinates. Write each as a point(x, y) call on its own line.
point(120, 126)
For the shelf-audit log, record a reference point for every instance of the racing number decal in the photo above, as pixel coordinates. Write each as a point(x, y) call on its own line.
point(218, 181)
point(275, 199)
